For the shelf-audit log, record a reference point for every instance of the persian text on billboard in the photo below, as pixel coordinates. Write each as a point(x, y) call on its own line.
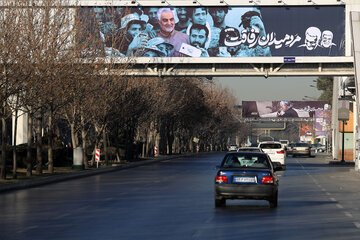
point(216, 31)
point(282, 109)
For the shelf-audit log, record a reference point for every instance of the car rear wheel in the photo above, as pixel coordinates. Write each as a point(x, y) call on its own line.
point(274, 201)
point(220, 202)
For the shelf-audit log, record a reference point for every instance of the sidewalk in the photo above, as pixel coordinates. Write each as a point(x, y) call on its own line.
point(29, 183)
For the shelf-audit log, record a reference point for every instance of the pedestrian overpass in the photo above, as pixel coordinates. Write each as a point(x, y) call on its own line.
point(251, 66)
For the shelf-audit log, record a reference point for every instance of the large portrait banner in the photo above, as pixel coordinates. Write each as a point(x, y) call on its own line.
point(215, 31)
point(282, 109)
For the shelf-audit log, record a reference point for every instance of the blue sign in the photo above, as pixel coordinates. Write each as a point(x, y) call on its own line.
point(289, 59)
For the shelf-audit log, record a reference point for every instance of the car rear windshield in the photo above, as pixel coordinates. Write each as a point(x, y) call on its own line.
point(249, 150)
point(246, 161)
point(270, 145)
point(301, 145)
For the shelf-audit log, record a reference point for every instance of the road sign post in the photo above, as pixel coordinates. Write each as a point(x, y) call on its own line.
point(156, 151)
point(97, 157)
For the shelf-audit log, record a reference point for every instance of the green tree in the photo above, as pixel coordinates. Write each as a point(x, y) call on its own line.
point(325, 84)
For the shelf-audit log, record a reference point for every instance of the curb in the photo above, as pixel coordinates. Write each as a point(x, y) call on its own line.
point(6, 187)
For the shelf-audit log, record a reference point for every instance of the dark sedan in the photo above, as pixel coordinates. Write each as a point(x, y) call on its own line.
point(246, 175)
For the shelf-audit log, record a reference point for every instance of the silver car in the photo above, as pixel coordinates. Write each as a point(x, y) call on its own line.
point(301, 149)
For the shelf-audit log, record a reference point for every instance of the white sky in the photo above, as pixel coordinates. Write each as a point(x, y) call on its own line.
point(272, 88)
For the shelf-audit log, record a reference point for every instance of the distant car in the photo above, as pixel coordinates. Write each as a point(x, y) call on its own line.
point(301, 149)
point(317, 147)
point(246, 175)
point(249, 149)
point(284, 143)
point(275, 151)
point(233, 147)
point(289, 149)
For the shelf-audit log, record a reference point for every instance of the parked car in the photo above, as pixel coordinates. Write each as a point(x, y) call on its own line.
point(249, 149)
point(233, 147)
point(317, 147)
point(301, 149)
point(275, 151)
point(246, 175)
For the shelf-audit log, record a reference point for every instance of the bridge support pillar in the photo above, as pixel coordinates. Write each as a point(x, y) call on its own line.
point(355, 30)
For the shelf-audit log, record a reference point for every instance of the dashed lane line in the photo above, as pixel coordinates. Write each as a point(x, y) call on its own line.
point(28, 228)
point(357, 224)
point(348, 214)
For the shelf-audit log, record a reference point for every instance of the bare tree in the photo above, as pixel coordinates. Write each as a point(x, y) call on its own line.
point(10, 54)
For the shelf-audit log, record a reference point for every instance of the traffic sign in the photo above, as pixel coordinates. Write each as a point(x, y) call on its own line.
point(97, 155)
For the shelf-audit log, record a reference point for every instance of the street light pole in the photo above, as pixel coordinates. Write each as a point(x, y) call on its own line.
point(343, 131)
point(343, 142)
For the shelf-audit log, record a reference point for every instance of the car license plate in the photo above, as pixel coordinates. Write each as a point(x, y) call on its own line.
point(245, 179)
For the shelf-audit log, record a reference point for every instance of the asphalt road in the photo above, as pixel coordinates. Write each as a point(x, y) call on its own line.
point(174, 199)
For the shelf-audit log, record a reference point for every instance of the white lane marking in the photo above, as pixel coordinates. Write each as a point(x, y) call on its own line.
point(332, 199)
point(348, 214)
point(327, 193)
point(323, 189)
point(357, 224)
point(28, 228)
point(62, 216)
point(339, 206)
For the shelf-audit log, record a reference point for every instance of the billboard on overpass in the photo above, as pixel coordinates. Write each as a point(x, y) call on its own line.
point(282, 109)
point(215, 31)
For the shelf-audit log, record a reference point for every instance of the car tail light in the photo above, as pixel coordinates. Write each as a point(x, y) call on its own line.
point(306, 149)
point(267, 179)
point(281, 152)
point(294, 149)
point(221, 179)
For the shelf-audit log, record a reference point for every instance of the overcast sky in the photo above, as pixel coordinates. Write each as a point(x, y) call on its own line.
point(272, 88)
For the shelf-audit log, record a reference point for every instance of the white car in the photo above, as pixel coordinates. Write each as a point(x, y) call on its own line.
point(249, 149)
point(233, 147)
point(275, 151)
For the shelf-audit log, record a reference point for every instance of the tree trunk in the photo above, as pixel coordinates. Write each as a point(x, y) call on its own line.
point(14, 146)
point(28, 148)
point(93, 156)
point(39, 159)
point(148, 146)
point(3, 148)
point(143, 150)
point(50, 145)
point(73, 135)
point(83, 137)
point(170, 141)
point(105, 148)
point(191, 145)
